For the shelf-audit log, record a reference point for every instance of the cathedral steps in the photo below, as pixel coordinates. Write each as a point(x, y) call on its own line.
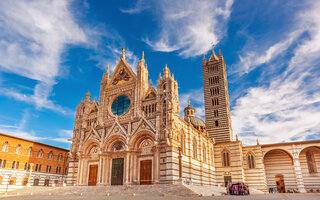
point(134, 190)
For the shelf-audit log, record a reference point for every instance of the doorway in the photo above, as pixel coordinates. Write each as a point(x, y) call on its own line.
point(117, 171)
point(93, 172)
point(227, 180)
point(280, 184)
point(145, 172)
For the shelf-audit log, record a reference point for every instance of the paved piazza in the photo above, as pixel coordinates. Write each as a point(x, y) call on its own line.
point(309, 196)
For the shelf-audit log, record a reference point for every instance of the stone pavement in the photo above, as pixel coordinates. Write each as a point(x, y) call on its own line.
point(309, 196)
point(151, 192)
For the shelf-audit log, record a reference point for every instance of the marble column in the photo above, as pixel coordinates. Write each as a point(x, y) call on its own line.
point(100, 167)
point(298, 173)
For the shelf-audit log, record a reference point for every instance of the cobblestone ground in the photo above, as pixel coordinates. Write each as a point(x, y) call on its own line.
point(308, 196)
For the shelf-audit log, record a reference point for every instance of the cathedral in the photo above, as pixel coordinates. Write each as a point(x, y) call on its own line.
point(134, 135)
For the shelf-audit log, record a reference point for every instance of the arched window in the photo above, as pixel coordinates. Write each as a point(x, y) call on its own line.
point(13, 164)
point(0, 180)
point(217, 123)
point(0, 163)
point(195, 146)
point(204, 153)
point(3, 164)
point(5, 147)
point(26, 167)
point(40, 153)
point(36, 182)
point(18, 149)
point(17, 165)
point(225, 159)
point(60, 157)
point(50, 155)
point(13, 181)
point(311, 163)
point(25, 181)
point(250, 160)
point(29, 152)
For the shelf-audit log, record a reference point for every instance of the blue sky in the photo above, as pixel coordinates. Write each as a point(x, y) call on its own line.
point(53, 52)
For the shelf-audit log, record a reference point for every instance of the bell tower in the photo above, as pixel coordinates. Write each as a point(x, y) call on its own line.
point(216, 98)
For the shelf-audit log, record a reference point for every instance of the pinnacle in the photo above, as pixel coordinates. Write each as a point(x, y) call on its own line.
point(88, 93)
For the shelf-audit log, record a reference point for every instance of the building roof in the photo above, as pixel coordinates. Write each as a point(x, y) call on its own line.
point(34, 142)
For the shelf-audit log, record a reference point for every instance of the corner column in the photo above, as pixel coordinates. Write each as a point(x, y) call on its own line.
point(298, 172)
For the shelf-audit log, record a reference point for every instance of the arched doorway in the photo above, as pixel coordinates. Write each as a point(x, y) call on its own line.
point(279, 170)
point(280, 183)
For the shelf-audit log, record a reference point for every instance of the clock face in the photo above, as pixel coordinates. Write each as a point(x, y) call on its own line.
point(120, 105)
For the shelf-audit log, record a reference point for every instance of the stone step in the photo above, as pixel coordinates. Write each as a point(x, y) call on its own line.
point(138, 190)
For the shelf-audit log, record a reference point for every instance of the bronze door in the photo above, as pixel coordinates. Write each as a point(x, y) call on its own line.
point(280, 184)
point(117, 171)
point(145, 172)
point(93, 171)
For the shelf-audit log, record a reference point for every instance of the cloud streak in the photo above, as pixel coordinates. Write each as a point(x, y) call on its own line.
point(288, 108)
point(36, 34)
point(188, 27)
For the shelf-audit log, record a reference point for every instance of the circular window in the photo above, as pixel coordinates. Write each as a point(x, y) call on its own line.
point(120, 105)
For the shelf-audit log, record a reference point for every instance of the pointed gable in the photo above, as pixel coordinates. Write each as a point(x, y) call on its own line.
point(151, 93)
point(122, 73)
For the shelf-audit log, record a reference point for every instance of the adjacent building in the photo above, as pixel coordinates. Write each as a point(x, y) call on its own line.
point(134, 135)
point(28, 163)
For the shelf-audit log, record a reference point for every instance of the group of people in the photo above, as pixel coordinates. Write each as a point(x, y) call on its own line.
point(238, 189)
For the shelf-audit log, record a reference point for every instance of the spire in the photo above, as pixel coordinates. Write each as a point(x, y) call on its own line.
point(142, 61)
point(123, 55)
point(189, 102)
point(220, 54)
point(204, 59)
point(213, 56)
point(237, 137)
point(150, 83)
point(258, 141)
point(172, 76)
point(88, 97)
point(108, 69)
point(88, 94)
point(166, 72)
point(159, 76)
point(81, 100)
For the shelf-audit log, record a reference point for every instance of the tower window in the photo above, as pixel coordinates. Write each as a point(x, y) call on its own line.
point(250, 161)
point(216, 113)
point(216, 123)
point(214, 91)
point(225, 159)
point(215, 102)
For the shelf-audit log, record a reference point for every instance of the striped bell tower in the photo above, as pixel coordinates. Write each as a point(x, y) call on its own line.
point(216, 98)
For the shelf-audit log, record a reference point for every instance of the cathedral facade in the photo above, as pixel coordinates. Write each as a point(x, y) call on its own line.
point(134, 135)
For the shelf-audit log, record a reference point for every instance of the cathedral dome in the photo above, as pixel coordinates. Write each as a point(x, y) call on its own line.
point(195, 121)
point(189, 116)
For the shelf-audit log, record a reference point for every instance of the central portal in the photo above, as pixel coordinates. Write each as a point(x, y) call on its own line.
point(145, 172)
point(117, 171)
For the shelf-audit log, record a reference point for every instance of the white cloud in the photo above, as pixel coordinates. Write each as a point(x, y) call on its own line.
point(288, 108)
point(252, 59)
point(189, 27)
point(196, 100)
point(36, 34)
